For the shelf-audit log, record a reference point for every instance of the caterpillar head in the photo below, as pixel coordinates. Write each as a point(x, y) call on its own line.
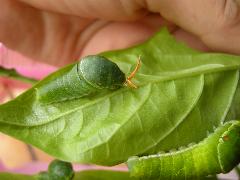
point(101, 72)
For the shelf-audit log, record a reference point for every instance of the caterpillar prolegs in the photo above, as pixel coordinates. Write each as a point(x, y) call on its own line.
point(90, 75)
point(218, 153)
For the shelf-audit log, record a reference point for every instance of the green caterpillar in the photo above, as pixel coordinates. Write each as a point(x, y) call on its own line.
point(90, 75)
point(218, 153)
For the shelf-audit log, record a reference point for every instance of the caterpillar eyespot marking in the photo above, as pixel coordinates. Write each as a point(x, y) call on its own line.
point(218, 153)
point(84, 78)
point(225, 138)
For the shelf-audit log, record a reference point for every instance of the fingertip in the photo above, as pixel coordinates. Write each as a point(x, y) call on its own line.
point(118, 35)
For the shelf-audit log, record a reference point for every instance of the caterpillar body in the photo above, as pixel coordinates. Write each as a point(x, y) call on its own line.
point(90, 75)
point(218, 153)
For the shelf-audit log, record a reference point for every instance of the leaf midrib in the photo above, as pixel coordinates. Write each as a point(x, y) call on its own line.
point(155, 79)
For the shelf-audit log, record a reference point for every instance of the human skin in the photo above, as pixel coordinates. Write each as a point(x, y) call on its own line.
point(58, 32)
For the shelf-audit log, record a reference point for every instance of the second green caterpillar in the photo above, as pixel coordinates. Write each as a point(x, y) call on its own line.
point(218, 153)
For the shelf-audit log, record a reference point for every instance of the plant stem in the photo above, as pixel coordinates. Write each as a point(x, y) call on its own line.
point(12, 73)
point(238, 171)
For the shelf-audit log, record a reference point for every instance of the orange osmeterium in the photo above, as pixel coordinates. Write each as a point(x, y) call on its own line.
point(128, 80)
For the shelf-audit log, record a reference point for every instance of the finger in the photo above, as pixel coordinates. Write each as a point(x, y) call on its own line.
point(104, 9)
point(196, 16)
point(41, 35)
point(118, 35)
point(135, 33)
point(216, 22)
point(60, 39)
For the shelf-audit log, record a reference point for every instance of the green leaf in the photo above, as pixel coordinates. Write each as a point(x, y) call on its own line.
point(182, 96)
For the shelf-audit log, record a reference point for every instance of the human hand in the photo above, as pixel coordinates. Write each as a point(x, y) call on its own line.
point(58, 32)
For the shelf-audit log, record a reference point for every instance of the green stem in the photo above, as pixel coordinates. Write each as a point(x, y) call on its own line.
point(238, 171)
point(12, 73)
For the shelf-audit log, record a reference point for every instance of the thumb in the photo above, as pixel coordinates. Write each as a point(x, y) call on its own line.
point(216, 22)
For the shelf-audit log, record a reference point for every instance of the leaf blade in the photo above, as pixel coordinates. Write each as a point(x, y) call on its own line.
point(87, 129)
